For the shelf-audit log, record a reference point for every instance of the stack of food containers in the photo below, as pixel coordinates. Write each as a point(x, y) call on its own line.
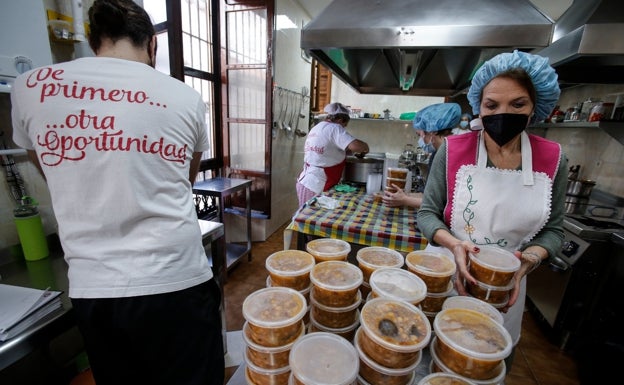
point(397, 284)
point(390, 340)
point(465, 302)
point(273, 323)
point(291, 268)
point(397, 177)
point(323, 358)
point(335, 298)
point(436, 270)
point(328, 249)
point(493, 268)
point(470, 344)
point(372, 258)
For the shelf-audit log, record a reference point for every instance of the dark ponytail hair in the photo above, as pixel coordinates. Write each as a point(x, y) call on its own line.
point(118, 19)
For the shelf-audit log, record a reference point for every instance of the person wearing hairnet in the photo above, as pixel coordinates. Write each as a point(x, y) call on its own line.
point(464, 124)
point(511, 183)
point(325, 150)
point(437, 122)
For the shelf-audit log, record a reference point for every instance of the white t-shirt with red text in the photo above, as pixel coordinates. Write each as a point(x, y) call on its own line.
point(115, 140)
point(325, 146)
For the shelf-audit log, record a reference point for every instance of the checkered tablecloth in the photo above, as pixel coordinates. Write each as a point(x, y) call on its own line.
point(359, 219)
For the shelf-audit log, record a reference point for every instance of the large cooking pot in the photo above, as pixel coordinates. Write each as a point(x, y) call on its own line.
point(580, 187)
point(357, 169)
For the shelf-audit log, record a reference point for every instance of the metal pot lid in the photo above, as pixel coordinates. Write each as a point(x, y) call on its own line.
point(366, 159)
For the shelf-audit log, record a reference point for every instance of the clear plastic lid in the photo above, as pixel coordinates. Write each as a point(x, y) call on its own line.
point(328, 247)
point(429, 263)
point(336, 275)
point(502, 369)
point(496, 258)
point(399, 284)
point(396, 325)
point(290, 262)
point(274, 307)
point(267, 349)
point(375, 257)
point(442, 378)
point(380, 368)
point(262, 371)
point(324, 358)
point(333, 309)
point(472, 333)
point(465, 302)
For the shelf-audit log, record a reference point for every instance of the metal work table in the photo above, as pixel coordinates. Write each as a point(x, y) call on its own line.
point(220, 188)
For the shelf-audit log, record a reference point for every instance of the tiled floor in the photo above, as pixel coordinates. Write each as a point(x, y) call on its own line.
point(536, 361)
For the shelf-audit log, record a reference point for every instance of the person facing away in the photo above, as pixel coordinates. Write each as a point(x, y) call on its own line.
point(512, 183)
point(119, 145)
point(464, 124)
point(437, 122)
point(325, 151)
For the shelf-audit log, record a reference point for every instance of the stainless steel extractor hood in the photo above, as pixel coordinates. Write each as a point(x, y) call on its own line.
point(420, 47)
point(588, 43)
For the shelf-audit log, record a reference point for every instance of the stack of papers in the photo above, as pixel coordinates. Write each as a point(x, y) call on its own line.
point(21, 307)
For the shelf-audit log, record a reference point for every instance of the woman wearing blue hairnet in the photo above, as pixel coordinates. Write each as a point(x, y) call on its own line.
point(464, 124)
point(498, 185)
point(437, 122)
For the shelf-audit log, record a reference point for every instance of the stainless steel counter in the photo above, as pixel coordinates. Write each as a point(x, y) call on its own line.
point(49, 272)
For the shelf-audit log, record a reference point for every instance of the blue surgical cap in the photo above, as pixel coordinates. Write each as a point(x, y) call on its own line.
point(542, 74)
point(437, 117)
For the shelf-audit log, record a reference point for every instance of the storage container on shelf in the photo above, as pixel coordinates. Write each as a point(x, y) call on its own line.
point(290, 268)
point(393, 332)
point(274, 315)
point(323, 358)
point(398, 284)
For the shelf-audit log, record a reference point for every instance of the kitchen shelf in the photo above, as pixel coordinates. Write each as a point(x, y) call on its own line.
point(612, 128)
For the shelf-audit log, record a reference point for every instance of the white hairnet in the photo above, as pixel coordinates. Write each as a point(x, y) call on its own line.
point(336, 108)
point(437, 117)
point(542, 74)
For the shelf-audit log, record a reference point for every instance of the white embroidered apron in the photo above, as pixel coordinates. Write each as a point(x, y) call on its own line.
point(504, 208)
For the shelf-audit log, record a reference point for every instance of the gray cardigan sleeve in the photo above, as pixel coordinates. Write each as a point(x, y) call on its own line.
point(430, 216)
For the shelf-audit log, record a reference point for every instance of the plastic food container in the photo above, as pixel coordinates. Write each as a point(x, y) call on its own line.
point(494, 295)
point(393, 332)
point(438, 366)
point(258, 376)
point(305, 292)
point(433, 301)
point(493, 265)
point(323, 358)
point(267, 357)
point(398, 284)
point(373, 373)
point(465, 302)
point(443, 379)
point(397, 172)
point(274, 315)
point(399, 182)
point(365, 289)
point(347, 332)
point(335, 317)
point(471, 344)
point(436, 269)
point(328, 249)
point(335, 283)
point(372, 258)
point(290, 268)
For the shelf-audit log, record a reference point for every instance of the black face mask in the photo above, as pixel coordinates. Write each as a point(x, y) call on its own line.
point(504, 127)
